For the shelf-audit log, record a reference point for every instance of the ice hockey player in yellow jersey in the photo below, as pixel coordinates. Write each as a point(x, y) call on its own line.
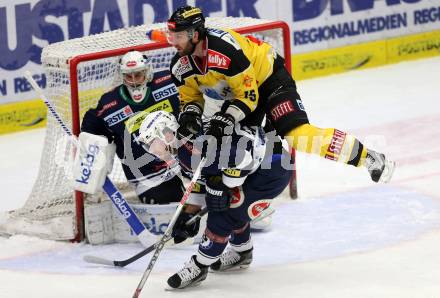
point(251, 78)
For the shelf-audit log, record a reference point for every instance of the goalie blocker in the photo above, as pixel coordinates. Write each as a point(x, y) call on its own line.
point(93, 161)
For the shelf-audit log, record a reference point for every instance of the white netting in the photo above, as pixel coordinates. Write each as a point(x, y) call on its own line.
point(49, 211)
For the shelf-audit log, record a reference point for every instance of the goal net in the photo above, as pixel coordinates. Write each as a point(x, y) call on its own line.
point(78, 72)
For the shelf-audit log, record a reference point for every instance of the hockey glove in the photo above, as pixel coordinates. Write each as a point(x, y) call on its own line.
point(221, 124)
point(218, 195)
point(182, 231)
point(190, 122)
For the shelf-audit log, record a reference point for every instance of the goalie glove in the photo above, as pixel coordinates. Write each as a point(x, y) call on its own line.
point(94, 159)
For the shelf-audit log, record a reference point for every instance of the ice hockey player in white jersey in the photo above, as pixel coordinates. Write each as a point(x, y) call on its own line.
point(239, 180)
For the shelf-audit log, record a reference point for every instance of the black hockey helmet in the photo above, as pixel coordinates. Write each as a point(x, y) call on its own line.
point(185, 18)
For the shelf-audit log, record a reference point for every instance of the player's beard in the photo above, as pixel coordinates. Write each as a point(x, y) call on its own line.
point(188, 49)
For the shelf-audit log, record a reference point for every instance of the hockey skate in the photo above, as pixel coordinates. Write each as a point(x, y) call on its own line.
point(380, 168)
point(192, 274)
point(233, 260)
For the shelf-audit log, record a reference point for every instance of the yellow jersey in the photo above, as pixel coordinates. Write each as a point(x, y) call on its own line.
point(232, 69)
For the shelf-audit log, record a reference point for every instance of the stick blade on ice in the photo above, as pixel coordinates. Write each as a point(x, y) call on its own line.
point(97, 260)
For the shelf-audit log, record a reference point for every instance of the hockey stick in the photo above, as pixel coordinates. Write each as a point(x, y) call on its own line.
point(109, 188)
point(123, 263)
point(169, 229)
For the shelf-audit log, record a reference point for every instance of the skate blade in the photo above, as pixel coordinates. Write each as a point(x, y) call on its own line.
point(388, 171)
point(194, 284)
point(170, 289)
point(232, 269)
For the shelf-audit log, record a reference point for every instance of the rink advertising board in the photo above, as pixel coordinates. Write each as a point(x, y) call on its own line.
point(364, 55)
point(22, 115)
point(327, 36)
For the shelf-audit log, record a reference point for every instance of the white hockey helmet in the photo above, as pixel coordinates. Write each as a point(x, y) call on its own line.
point(160, 125)
point(136, 71)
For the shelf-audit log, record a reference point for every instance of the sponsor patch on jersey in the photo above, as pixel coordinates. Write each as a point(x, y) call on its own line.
point(134, 123)
point(232, 172)
point(334, 150)
point(181, 67)
point(218, 60)
point(281, 110)
point(118, 116)
point(107, 106)
point(255, 209)
point(165, 91)
point(247, 81)
point(162, 79)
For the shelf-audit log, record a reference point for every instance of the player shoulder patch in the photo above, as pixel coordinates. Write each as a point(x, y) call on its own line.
point(218, 60)
point(166, 91)
point(181, 67)
point(119, 115)
point(216, 32)
point(225, 36)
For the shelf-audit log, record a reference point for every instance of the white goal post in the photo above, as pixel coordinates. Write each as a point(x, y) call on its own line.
point(78, 72)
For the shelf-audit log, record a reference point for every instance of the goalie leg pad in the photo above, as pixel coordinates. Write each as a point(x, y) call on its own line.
point(155, 218)
point(104, 224)
point(99, 223)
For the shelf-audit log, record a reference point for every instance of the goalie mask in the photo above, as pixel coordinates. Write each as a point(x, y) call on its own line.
point(136, 72)
point(158, 133)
